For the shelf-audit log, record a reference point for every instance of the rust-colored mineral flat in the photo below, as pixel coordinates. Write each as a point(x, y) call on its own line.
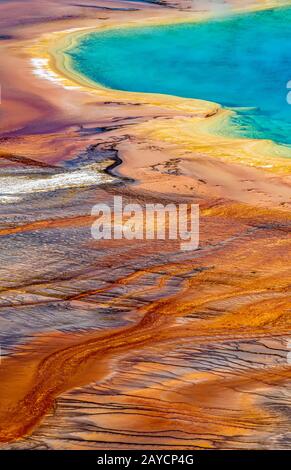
point(127, 345)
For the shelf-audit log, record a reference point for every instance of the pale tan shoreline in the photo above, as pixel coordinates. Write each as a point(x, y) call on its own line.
point(192, 129)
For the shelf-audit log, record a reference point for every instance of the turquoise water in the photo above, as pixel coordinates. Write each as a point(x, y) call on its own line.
point(237, 61)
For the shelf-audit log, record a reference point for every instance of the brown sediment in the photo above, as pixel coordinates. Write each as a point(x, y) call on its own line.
point(160, 347)
point(33, 378)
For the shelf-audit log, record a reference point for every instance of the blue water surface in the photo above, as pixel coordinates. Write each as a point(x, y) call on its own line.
point(240, 61)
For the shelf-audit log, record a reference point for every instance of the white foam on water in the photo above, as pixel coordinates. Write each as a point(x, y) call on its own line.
point(13, 186)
